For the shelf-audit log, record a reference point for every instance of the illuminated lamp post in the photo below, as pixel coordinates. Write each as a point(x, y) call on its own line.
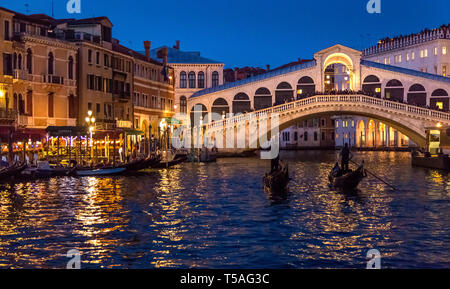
point(90, 121)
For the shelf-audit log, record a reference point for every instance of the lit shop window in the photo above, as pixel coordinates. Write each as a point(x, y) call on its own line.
point(440, 105)
point(413, 55)
point(444, 50)
point(378, 89)
point(407, 56)
point(435, 51)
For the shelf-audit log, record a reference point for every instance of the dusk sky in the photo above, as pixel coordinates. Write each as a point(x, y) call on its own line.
point(252, 33)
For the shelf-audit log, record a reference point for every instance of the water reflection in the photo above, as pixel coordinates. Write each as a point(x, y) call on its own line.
point(218, 216)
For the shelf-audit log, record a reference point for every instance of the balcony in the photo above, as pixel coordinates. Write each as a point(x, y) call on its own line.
point(122, 95)
point(70, 82)
point(30, 121)
point(20, 74)
point(52, 79)
point(7, 115)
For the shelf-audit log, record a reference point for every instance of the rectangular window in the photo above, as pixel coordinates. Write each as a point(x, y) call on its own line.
point(444, 70)
point(407, 56)
point(50, 105)
point(90, 106)
point(97, 108)
point(90, 56)
point(413, 55)
point(435, 51)
point(6, 30)
point(7, 64)
point(444, 50)
point(98, 58)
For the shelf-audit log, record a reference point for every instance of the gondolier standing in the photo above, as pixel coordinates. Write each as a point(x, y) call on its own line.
point(346, 155)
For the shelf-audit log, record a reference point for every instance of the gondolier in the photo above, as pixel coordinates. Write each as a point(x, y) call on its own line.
point(346, 155)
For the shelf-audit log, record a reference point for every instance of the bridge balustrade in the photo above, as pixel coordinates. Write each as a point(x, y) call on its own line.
point(264, 113)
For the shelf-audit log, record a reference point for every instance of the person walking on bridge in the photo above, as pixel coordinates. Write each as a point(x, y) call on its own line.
point(346, 155)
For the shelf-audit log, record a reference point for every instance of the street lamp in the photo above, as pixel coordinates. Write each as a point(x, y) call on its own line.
point(90, 121)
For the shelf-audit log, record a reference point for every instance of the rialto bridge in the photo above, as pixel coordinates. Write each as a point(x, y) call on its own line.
point(399, 97)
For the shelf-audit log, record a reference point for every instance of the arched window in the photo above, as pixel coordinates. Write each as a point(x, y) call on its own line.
point(70, 67)
point(19, 61)
point(51, 60)
point(201, 79)
point(191, 77)
point(183, 83)
point(30, 61)
point(215, 79)
point(15, 61)
point(183, 104)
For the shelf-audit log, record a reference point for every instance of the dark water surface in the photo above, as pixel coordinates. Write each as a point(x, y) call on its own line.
point(218, 216)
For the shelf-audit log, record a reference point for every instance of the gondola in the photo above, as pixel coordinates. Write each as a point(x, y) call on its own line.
point(99, 172)
point(13, 171)
point(141, 164)
point(348, 180)
point(276, 182)
point(44, 170)
point(176, 160)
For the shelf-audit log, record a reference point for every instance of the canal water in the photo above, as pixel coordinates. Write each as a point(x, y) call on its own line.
point(218, 216)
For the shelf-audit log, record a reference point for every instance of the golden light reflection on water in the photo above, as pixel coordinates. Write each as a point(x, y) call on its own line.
point(215, 215)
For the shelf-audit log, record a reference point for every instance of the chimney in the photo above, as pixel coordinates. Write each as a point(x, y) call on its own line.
point(267, 67)
point(162, 53)
point(165, 52)
point(147, 45)
point(177, 46)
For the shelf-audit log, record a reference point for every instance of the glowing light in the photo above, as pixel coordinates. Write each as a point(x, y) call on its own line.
point(439, 124)
point(2, 93)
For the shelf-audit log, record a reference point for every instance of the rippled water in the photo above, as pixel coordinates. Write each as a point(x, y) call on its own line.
point(218, 216)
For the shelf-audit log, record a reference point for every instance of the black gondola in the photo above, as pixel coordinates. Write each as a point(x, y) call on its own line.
point(277, 180)
point(142, 164)
point(13, 171)
point(176, 160)
point(348, 180)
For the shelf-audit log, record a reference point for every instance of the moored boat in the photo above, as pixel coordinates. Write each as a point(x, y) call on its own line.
point(348, 180)
point(13, 171)
point(99, 172)
point(166, 164)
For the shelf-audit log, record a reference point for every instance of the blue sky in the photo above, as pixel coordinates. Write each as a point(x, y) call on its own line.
point(250, 32)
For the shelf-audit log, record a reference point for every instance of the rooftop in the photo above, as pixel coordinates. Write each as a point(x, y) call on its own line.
point(405, 71)
point(259, 77)
point(178, 56)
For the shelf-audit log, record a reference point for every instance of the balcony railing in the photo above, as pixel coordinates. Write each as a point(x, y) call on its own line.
point(125, 95)
point(7, 114)
point(30, 121)
point(20, 74)
point(53, 79)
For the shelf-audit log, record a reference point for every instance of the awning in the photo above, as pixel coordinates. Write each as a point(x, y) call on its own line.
point(112, 134)
point(67, 131)
point(130, 131)
point(32, 134)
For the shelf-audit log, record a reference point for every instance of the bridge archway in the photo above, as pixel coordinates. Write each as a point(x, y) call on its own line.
point(360, 133)
point(337, 61)
point(305, 87)
point(440, 99)
point(394, 90)
point(372, 85)
point(241, 103)
point(262, 98)
point(220, 106)
point(284, 93)
point(417, 95)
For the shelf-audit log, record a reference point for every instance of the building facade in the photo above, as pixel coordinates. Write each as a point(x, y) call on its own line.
point(427, 51)
point(192, 73)
point(363, 132)
point(153, 96)
point(309, 133)
point(39, 72)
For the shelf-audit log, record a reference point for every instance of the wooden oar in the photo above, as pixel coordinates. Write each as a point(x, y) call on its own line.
point(374, 175)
